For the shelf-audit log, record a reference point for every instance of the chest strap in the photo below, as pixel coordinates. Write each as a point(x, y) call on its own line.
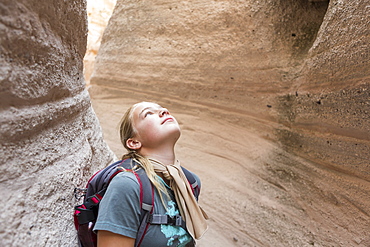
point(159, 219)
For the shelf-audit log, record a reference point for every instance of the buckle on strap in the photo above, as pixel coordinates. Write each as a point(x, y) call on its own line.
point(176, 221)
point(158, 219)
point(79, 193)
point(194, 185)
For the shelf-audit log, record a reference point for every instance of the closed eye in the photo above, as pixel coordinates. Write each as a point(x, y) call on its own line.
point(148, 113)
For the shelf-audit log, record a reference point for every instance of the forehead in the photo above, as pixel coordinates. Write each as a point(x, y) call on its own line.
point(139, 107)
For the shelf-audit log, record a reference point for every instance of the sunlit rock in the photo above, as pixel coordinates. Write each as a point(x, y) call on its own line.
point(98, 14)
point(295, 72)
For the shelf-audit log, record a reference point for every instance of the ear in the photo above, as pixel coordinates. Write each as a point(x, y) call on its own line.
point(133, 144)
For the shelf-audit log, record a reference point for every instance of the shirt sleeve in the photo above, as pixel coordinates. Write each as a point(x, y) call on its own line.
point(119, 210)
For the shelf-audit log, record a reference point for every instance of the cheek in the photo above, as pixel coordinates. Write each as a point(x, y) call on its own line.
point(146, 130)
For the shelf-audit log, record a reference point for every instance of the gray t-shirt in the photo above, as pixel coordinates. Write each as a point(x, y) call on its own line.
point(119, 212)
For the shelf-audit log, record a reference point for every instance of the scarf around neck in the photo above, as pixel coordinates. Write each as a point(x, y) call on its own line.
point(193, 214)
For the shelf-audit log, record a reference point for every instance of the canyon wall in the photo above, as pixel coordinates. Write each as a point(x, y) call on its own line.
point(326, 122)
point(294, 72)
point(51, 139)
point(330, 97)
point(202, 45)
point(287, 81)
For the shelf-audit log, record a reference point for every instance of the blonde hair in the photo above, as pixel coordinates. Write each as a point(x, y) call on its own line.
point(127, 131)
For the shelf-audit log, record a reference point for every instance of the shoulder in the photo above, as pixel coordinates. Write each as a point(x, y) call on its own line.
point(122, 190)
point(124, 181)
point(119, 210)
point(125, 177)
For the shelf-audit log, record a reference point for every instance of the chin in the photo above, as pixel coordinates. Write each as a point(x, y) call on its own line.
point(177, 134)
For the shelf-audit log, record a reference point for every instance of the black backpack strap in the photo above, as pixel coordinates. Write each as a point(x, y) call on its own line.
point(193, 182)
point(159, 219)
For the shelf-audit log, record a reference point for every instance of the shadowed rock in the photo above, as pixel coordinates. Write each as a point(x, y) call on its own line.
point(50, 137)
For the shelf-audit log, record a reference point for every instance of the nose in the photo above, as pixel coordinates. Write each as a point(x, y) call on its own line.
point(163, 112)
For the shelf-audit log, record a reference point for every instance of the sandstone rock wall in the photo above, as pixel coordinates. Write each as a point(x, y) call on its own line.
point(338, 59)
point(207, 45)
point(300, 67)
point(326, 121)
point(50, 137)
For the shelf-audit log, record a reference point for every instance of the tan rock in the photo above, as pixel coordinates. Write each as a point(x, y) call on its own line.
point(274, 97)
point(98, 13)
point(50, 137)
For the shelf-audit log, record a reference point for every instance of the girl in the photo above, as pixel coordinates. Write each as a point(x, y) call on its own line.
point(149, 133)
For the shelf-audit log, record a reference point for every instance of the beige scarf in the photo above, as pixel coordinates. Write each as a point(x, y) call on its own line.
point(193, 214)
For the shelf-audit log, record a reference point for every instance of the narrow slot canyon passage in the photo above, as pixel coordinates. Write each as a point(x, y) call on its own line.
point(272, 98)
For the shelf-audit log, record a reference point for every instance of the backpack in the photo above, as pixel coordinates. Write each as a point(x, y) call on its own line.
point(86, 214)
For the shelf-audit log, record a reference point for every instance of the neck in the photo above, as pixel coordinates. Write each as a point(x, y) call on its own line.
point(165, 156)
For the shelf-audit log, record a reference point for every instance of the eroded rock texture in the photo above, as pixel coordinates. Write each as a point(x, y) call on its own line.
point(50, 137)
point(295, 72)
point(241, 47)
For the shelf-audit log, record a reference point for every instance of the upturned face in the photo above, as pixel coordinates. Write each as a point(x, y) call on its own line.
point(154, 125)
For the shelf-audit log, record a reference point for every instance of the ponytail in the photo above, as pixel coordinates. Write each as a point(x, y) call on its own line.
point(145, 164)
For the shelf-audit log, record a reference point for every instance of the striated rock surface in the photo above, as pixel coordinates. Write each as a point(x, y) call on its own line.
point(274, 98)
point(208, 45)
point(50, 137)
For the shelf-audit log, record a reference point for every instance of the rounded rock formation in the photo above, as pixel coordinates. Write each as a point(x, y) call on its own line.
point(50, 137)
